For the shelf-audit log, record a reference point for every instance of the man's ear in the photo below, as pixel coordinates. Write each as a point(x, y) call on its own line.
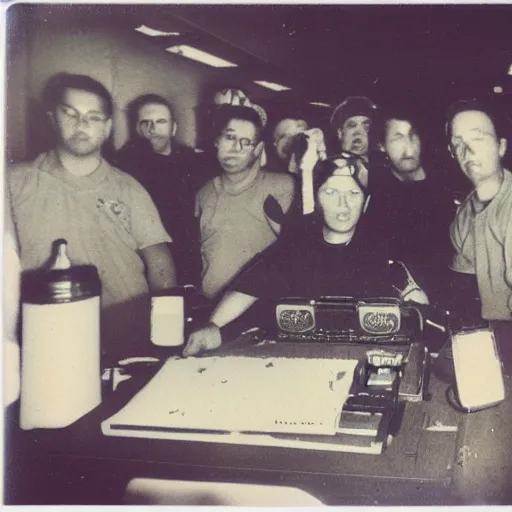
point(502, 147)
point(174, 128)
point(450, 150)
point(108, 127)
point(339, 132)
point(259, 149)
point(366, 203)
point(381, 148)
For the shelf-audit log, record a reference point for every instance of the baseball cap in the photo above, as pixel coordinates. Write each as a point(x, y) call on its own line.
point(350, 107)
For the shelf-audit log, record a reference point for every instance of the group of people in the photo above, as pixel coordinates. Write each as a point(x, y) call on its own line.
point(160, 214)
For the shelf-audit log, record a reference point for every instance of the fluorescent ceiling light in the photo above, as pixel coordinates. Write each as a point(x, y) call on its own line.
point(272, 85)
point(498, 89)
point(510, 70)
point(153, 32)
point(206, 58)
point(320, 104)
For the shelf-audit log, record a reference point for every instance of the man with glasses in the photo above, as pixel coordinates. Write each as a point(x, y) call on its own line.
point(240, 210)
point(106, 217)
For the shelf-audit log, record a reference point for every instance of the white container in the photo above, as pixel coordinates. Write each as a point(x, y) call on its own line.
point(60, 373)
point(168, 321)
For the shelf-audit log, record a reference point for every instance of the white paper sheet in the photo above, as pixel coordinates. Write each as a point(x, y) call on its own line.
point(241, 394)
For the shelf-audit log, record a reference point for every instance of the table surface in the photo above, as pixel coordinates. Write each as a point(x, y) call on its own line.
point(474, 462)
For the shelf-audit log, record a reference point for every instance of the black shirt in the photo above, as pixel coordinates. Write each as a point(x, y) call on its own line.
point(414, 216)
point(307, 266)
point(172, 182)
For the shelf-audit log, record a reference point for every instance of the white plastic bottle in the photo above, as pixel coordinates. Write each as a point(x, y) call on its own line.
point(60, 357)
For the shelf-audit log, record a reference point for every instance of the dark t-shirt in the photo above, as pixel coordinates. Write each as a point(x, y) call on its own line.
point(172, 182)
point(307, 266)
point(415, 216)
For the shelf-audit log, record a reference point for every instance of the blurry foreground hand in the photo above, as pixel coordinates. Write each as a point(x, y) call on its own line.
point(207, 338)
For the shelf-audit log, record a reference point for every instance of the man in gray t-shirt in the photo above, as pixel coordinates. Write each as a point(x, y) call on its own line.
point(239, 211)
point(106, 216)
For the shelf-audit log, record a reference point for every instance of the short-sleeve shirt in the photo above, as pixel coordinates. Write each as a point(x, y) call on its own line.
point(482, 237)
point(106, 217)
point(235, 227)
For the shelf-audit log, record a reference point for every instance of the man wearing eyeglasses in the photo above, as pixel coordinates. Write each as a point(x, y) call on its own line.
point(106, 217)
point(239, 211)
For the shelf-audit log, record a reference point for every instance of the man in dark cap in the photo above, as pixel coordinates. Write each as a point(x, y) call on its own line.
point(335, 258)
point(352, 120)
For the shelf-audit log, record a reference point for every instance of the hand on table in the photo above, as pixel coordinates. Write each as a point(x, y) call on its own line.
point(207, 338)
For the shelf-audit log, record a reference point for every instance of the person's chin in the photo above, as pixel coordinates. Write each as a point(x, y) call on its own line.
point(81, 150)
point(359, 150)
point(406, 167)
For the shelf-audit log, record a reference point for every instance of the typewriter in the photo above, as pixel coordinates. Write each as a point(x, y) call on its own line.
point(384, 334)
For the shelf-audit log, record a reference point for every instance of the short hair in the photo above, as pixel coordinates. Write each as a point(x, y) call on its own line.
point(57, 85)
point(226, 113)
point(499, 121)
point(400, 113)
point(141, 101)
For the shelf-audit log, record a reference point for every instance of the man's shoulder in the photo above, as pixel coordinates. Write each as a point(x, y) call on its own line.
point(207, 188)
point(28, 165)
point(185, 151)
point(279, 179)
point(21, 173)
point(123, 178)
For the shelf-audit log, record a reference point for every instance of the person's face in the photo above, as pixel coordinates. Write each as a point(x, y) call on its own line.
point(475, 145)
point(353, 135)
point(237, 146)
point(402, 145)
point(285, 136)
point(81, 122)
point(157, 126)
point(342, 202)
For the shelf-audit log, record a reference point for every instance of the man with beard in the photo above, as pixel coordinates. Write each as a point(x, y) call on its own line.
point(233, 208)
point(352, 120)
point(337, 258)
point(106, 216)
point(170, 172)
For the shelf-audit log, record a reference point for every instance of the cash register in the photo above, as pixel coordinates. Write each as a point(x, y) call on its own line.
point(393, 362)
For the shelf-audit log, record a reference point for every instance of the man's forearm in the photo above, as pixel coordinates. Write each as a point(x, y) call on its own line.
point(160, 268)
point(232, 305)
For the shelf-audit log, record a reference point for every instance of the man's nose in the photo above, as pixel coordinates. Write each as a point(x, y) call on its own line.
point(409, 150)
point(342, 202)
point(467, 149)
point(237, 146)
